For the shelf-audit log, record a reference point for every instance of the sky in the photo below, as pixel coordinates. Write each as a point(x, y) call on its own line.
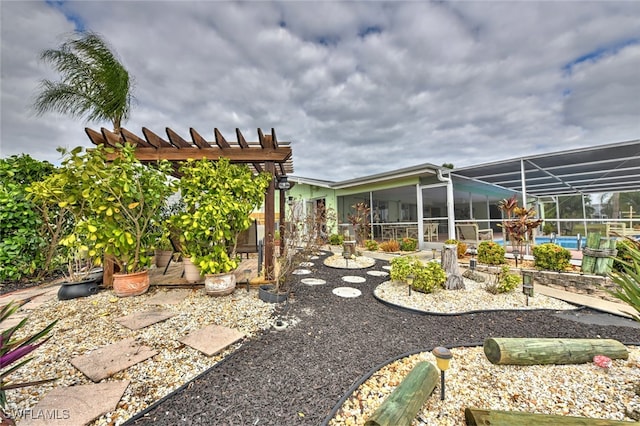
point(358, 88)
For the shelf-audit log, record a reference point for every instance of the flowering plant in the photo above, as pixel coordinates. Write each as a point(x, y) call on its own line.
point(13, 350)
point(602, 361)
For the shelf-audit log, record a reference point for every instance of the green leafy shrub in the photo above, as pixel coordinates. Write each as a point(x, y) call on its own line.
point(401, 266)
point(551, 257)
point(491, 253)
point(390, 246)
point(371, 245)
point(408, 244)
point(504, 282)
point(547, 228)
point(336, 239)
point(428, 277)
point(23, 242)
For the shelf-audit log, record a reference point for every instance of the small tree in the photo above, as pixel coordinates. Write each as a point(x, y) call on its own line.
point(360, 222)
point(218, 198)
point(519, 223)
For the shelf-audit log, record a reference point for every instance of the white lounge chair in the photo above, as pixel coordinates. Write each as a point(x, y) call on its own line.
point(469, 233)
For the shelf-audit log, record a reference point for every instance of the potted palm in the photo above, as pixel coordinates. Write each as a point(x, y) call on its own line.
point(218, 199)
point(121, 202)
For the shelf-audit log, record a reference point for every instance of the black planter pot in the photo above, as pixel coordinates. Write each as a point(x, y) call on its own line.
point(78, 289)
point(267, 294)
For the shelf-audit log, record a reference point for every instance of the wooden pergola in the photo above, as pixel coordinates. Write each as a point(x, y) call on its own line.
point(267, 154)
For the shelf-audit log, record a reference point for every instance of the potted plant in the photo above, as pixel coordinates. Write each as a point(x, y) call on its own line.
point(120, 202)
point(218, 199)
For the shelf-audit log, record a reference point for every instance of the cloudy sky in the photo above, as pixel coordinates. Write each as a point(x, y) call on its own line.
point(357, 87)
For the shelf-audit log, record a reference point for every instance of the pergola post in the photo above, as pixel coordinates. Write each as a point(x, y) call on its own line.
point(269, 223)
point(283, 219)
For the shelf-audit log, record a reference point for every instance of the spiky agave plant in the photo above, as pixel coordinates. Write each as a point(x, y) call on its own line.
point(628, 280)
point(13, 350)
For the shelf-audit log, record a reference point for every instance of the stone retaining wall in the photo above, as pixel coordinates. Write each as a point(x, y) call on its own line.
point(590, 285)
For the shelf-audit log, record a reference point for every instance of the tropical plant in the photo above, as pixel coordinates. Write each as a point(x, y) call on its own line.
point(462, 247)
point(218, 197)
point(371, 245)
point(360, 221)
point(628, 280)
point(428, 277)
point(551, 257)
point(24, 248)
point(401, 267)
point(491, 253)
point(13, 350)
point(518, 224)
point(94, 83)
point(623, 253)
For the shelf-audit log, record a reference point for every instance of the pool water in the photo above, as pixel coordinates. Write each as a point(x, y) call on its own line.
point(570, 243)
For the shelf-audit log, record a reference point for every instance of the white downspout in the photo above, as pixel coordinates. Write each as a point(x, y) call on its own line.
point(450, 207)
point(420, 208)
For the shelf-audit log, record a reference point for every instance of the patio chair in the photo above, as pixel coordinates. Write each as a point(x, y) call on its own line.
point(431, 231)
point(469, 233)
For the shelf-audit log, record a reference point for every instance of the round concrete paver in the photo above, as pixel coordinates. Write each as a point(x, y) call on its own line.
point(312, 281)
point(377, 273)
point(306, 264)
point(346, 292)
point(354, 280)
point(314, 257)
point(387, 267)
point(301, 272)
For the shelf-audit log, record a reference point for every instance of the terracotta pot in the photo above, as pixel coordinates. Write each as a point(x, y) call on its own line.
point(191, 272)
point(125, 285)
point(162, 258)
point(219, 284)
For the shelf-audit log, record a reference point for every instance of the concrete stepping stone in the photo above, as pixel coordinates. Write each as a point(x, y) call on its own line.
point(353, 279)
point(387, 267)
point(301, 272)
point(171, 297)
point(75, 405)
point(377, 273)
point(306, 264)
point(107, 361)
point(45, 296)
point(212, 339)
point(346, 292)
point(144, 319)
point(312, 281)
point(13, 320)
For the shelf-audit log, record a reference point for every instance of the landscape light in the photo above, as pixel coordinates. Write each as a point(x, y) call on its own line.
point(443, 359)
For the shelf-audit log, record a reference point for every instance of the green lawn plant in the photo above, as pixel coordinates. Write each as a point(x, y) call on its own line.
point(336, 239)
point(628, 280)
point(551, 257)
point(408, 244)
point(13, 350)
point(491, 253)
point(218, 197)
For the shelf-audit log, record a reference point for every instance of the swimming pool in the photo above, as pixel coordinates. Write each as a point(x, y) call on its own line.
point(570, 243)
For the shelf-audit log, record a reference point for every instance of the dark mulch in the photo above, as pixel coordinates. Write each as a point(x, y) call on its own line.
point(298, 375)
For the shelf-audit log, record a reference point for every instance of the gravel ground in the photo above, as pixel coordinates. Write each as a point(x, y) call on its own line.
point(298, 375)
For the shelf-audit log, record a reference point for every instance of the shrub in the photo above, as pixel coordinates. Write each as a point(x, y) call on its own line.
point(390, 246)
point(401, 267)
point(426, 277)
point(408, 244)
point(547, 228)
point(491, 253)
point(371, 245)
point(551, 257)
point(336, 239)
point(504, 282)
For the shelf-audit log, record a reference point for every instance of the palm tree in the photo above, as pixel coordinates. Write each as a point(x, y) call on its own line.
point(94, 83)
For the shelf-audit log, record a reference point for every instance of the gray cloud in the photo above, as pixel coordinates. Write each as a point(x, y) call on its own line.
point(357, 87)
